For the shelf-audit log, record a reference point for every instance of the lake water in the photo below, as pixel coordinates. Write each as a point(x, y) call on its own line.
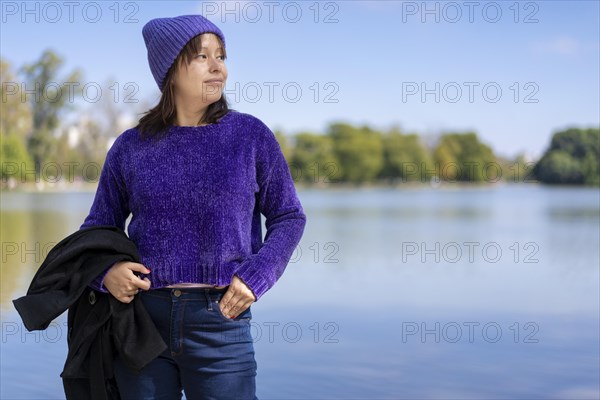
point(421, 293)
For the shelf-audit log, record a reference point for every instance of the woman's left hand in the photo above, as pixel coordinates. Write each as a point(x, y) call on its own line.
point(237, 298)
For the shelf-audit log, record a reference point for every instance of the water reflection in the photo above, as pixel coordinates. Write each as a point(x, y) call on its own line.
point(374, 264)
point(27, 237)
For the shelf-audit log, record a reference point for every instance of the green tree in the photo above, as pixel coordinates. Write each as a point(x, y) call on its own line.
point(359, 151)
point(572, 158)
point(14, 158)
point(517, 169)
point(15, 115)
point(462, 157)
point(15, 123)
point(313, 159)
point(405, 157)
point(49, 97)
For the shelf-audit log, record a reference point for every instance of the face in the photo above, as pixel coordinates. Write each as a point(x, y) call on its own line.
point(201, 82)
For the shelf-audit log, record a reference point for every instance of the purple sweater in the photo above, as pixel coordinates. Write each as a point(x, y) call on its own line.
point(196, 199)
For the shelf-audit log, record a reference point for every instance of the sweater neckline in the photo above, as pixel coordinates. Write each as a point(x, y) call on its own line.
point(198, 128)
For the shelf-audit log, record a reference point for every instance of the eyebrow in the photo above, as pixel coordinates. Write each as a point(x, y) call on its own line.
point(206, 48)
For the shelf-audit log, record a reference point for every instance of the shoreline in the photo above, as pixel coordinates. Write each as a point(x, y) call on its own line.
point(92, 187)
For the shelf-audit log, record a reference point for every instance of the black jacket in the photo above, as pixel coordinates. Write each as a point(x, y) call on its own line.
point(99, 325)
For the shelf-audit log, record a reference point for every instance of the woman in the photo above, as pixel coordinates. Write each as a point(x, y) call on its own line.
point(195, 176)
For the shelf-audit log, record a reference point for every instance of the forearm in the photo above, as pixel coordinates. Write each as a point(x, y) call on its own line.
point(261, 270)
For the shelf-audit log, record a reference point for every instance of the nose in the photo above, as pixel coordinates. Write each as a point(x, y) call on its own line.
point(215, 65)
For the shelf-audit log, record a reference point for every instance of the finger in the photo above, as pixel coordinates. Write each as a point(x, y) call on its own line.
point(130, 288)
point(226, 307)
point(138, 268)
point(240, 308)
point(143, 284)
point(235, 306)
point(148, 284)
point(139, 283)
point(227, 297)
point(125, 299)
point(236, 309)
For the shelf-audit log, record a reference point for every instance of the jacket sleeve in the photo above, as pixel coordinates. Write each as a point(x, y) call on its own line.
point(111, 202)
point(285, 219)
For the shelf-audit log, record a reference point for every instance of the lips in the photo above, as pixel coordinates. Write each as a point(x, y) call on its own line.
point(213, 81)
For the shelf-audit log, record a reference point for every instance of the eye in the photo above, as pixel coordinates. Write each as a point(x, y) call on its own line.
point(222, 57)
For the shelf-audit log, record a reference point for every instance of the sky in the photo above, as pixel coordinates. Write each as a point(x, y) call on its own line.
point(514, 72)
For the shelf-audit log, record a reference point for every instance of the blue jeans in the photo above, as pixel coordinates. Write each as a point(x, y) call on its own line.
point(209, 355)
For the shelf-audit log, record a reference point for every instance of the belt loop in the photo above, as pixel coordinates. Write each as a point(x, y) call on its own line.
point(208, 299)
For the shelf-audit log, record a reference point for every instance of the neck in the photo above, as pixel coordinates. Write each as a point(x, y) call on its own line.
point(189, 113)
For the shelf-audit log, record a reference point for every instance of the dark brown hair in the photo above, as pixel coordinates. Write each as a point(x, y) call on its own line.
point(156, 121)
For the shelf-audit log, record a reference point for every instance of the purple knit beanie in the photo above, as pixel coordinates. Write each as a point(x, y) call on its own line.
point(166, 37)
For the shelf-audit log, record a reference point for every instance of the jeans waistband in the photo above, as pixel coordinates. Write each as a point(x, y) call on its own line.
point(188, 293)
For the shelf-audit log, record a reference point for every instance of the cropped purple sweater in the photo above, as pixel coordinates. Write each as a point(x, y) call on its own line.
point(196, 197)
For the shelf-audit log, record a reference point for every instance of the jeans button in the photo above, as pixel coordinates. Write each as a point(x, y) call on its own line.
point(177, 292)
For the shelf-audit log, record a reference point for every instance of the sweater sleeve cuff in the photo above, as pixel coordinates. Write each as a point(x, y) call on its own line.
point(251, 273)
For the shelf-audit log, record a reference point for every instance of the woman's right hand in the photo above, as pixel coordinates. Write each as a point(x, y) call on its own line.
point(122, 283)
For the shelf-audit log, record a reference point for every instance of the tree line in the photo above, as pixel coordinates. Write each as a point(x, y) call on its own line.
point(351, 154)
point(32, 137)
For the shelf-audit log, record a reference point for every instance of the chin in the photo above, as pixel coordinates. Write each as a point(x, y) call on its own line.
point(211, 98)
